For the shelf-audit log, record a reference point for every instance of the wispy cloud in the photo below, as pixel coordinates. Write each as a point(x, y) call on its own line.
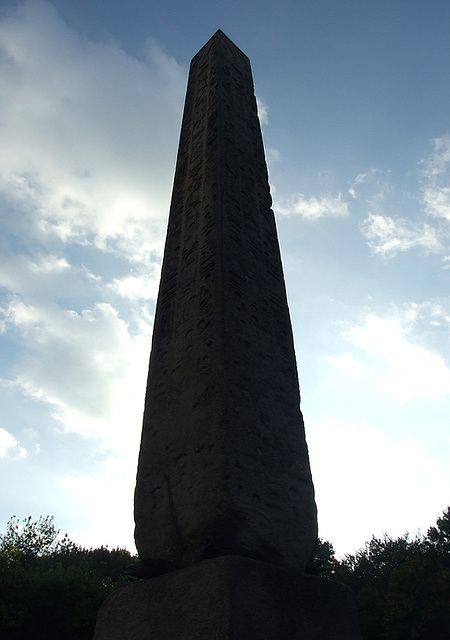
point(436, 195)
point(438, 163)
point(388, 236)
point(314, 208)
point(427, 227)
point(272, 155)
point(363, 178)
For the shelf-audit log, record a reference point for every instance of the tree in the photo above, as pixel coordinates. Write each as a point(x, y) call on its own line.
point(324, 562)
point(29, 540)
point(439, 537)
point(402, 585)
point(50, 588)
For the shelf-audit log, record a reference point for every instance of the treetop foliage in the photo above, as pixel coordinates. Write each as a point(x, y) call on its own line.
point(402, 584)
point(28, 540)
point(50, 588)
point(439, 537)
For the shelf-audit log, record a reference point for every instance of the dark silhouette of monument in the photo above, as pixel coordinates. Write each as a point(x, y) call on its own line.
point(223, 467)
point(224, 506)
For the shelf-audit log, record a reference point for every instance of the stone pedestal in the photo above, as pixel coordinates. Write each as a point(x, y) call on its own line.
point(230, 598)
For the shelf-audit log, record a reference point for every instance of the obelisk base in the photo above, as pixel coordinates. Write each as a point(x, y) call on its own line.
point(230, 598)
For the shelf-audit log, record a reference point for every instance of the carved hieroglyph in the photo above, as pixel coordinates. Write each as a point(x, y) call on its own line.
point(223, 467)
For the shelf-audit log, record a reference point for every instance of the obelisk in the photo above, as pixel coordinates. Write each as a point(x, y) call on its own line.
point(223, 467)
point(224, 504)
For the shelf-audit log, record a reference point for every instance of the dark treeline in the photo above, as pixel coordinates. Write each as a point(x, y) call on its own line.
point(50, 588)
point(402, 584)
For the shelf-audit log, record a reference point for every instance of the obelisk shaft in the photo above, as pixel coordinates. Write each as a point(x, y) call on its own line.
point(223, 467)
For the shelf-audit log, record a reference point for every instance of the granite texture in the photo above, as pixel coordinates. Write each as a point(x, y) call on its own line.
point(223, 466)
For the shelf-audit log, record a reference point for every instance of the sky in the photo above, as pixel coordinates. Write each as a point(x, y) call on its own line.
point(354, 105)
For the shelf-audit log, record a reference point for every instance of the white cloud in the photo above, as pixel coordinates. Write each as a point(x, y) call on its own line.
point(387, 236)
point(313, 208)
point(437, 174)
point(87, 146)
point(137, 287)
point(363, 178)
point(347, 364)
point(263, 111)
point(85, 365)
point(88, 134)
point(437, 201)
point(367, 483)
point(438, 164)
point(9, 446)
point(391, 355)
point(44, 277)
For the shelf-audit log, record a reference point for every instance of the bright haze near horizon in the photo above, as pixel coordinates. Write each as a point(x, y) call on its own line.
point(354, 105)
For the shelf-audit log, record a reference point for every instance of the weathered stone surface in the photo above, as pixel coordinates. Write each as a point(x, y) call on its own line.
point(230, 598)
point(223, 467)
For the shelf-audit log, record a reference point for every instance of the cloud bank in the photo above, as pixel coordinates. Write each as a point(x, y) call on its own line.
point(88, 139)
point(391, 353)
point(84, 125)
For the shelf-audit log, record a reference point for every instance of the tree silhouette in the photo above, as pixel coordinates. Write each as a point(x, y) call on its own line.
point(50, 588)
point(402, 585)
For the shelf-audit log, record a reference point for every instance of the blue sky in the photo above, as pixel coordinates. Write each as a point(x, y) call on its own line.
point(354, 104)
